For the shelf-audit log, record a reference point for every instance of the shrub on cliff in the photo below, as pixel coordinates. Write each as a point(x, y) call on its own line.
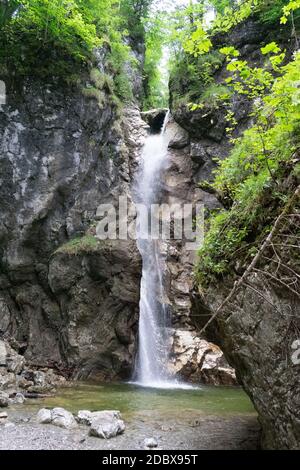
point(254, 176)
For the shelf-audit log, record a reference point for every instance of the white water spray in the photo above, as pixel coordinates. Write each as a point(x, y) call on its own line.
point(151, 364)
point(151, 368)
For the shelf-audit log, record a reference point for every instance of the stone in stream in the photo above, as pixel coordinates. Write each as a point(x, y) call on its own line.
point(107, 424)
point(19, 399)
point(150, 443)
point(4, 400)
point(3, 417)
point(7, 379)
point(44, 416)
point(15, 362)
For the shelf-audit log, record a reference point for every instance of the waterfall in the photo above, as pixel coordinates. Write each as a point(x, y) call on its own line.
point(153, 351)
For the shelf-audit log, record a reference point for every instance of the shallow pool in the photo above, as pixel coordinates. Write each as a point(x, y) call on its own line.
point(132, 400)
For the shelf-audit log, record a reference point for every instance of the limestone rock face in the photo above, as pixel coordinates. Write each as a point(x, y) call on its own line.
point(181, 186)
point(263, 347)
point(61, 155)
point(98, 294)
point(198, 361)
point(259, 330)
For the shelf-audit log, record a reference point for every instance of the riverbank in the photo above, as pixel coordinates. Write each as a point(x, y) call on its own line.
point(203, 419)
point(193, 433)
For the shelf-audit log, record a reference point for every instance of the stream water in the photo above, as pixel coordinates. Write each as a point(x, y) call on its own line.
point(133, 400)
point(203, 418)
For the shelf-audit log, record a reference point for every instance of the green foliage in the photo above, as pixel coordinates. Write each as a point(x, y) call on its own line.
point(85, 244)
point(155, 85)
point(249, 179)
point(212, 97)
point(49, 38)
point(44, 33)
point(289, 9)
point(134, 12)
point(96, 94)
point(270, 12)
point(7, 10)
point(221, 6)
point(192, 76)
point(102, 81)
point(235, 14)
point(252, 81)
point(198, 43)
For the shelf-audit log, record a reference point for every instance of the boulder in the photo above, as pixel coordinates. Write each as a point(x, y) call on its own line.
point(84, 417)
point(39, 378)
point(7, 379)
point(19, 399)
point(58, 417)
point(107, 424)
point(150, 443)
point(63, 418)
point(4, 400)
point(15, 362)
point(44, 416)
point(199, 361)
point(179, 137)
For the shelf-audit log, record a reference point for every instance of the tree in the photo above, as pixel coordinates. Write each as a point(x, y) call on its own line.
point(7, 10)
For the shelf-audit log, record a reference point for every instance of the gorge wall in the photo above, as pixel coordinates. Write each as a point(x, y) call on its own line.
point(260, 324)
point(62, 153)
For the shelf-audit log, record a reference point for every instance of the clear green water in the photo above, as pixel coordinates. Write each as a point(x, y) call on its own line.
point(132, 400)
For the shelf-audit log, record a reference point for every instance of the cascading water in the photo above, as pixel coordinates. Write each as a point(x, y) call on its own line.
point(151, 363)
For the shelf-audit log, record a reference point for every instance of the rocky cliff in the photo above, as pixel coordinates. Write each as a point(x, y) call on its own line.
point(66, 299)
point(63, 151)
point(259, 326)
